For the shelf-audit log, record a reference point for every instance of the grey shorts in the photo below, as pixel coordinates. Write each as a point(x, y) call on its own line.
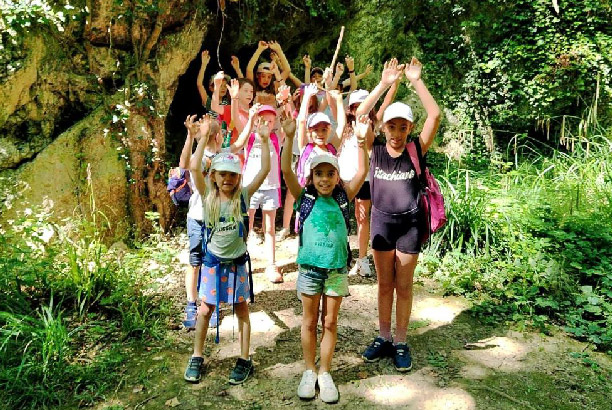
point(314, 281)
point(267, 199)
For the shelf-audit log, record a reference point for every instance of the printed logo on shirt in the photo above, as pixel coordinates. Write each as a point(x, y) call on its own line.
point(393, 176)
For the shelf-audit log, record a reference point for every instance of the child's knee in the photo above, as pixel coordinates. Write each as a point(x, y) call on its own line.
point(242, 311)
point(205, 310)
point(330, 323)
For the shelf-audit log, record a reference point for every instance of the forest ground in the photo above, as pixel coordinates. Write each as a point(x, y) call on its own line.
point(458, 362)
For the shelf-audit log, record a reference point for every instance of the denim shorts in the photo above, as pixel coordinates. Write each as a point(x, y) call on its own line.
point(313, 281)
point(194, 233)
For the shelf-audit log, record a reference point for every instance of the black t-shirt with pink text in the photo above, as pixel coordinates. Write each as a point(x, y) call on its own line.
point(393, 182)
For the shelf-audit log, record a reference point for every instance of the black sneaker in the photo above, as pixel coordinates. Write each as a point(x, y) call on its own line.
point(402, 357)
point(193, 372)
point(241, 372)
point(379, 348)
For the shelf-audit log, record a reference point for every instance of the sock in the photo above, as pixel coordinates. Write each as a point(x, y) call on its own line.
point(385, 330)
point(400, 334)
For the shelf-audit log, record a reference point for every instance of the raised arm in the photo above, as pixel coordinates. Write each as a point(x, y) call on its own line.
point(307, 64)
point(188, 147)
point(363, 162)
point(236, 66)
point(309, 91)
point(264, 133)
point(337, 75)
point(200, 80)
point(391, 72)
point(340, 118)
point(432, 122)
point(291, 180)
point(215, 104)
point(261, 46)
point(296, 81)
point(389, 97)
point(246, 131)
point(284, 63)
point(196, 161)
point(350, 66)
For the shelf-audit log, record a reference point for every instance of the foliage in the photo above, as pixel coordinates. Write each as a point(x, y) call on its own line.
point(533, 242)
point(67, 300)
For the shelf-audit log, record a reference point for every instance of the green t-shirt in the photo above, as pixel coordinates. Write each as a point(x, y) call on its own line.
point(324, 236)
point(226, 241)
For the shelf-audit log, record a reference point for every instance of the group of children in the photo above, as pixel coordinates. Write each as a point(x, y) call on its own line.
point(328, 158)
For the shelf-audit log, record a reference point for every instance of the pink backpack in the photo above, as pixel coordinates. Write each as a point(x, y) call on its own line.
point(432, 200)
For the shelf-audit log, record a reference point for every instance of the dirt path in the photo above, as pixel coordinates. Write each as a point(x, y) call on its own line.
point(508, 370)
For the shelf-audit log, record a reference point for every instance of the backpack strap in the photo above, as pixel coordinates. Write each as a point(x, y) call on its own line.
point(331, 148)
point(249, 146)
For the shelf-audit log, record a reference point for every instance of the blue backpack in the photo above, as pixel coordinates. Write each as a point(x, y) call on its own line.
point(308, 200)
point(178, 186)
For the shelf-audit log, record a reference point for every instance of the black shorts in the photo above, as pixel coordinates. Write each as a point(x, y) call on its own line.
point(364, 192)
point(402, 232)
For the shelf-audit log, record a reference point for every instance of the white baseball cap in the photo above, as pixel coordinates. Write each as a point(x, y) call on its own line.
point(325, 158)
point(358, 96)
point(264, 68)
point(398, 110)
point(316, 118)
point(226, 161)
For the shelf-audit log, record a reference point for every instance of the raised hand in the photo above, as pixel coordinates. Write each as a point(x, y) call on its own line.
point(264, 131)
point(205, 58)
point(191, 125)
point(339, 68)
point(219, 77)
point(273, 66)
point(233, 88)
point(283, 94)
point(309, 91)
point(235, 62)
point(327, 78)
point(262, 45)
point(205, 125)
point(350, 63)
point(361, 127)
point(391, 71)
point(289, 126)
point(369, 69)
point(413, 70)
point(253, 110)
point(273, 45)
point(306, 60)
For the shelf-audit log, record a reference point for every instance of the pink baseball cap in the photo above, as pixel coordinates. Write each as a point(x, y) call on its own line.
point(266, 108)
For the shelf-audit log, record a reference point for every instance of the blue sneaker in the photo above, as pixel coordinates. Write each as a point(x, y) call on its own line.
point(214, 319)
point(379, 348)
point(402, 358)
point(241, 372)
point(193, 372)
point(191, 314)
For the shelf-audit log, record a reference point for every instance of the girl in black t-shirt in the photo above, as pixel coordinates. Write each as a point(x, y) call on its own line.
point(396, 221)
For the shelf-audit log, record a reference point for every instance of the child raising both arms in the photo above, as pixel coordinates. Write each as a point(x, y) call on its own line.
point(322, 254)
point(223, 277)
point(397, 221)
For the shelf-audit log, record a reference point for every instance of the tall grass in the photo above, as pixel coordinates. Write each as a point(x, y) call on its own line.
point(64, 292)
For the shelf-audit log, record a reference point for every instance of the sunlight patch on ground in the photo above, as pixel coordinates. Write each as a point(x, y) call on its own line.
point(263, 333)
point(289, 318)
point(413, 391)
point(506, 354)
point(437, 311)
point(286, 370)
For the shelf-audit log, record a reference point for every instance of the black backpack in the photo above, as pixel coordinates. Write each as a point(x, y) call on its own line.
point(307, 204)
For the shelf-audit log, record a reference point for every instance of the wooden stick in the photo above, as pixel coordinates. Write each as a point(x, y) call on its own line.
point(333, 63)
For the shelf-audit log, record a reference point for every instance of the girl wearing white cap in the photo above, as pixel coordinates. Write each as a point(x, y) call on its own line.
point(322, 254)
point(348, 167)
point(223, 277)
point(397, 221)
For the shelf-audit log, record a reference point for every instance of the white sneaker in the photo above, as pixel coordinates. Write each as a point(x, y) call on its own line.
point(253, 239)
point(364, 267)
point(327, 389)
point(282, 234)
point(306, 389)
point(355, 269)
